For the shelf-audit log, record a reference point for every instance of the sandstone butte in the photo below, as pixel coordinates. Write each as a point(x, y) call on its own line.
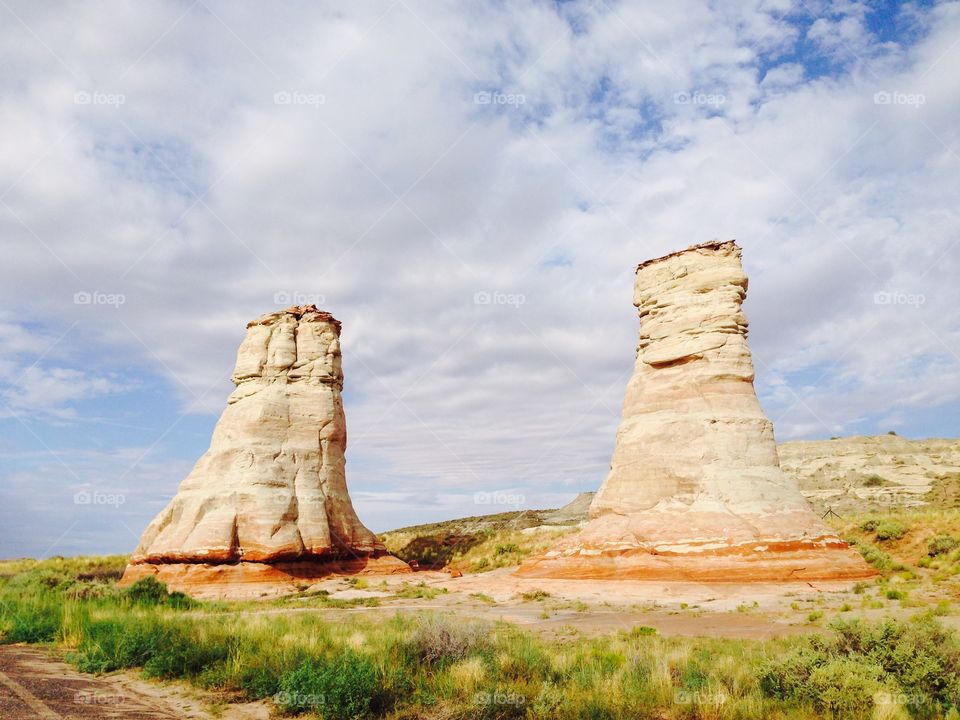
point(266, 508)
point(695, 490)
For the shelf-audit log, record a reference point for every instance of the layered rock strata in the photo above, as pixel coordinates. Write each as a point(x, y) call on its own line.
point(695, 490)
point(267, 505)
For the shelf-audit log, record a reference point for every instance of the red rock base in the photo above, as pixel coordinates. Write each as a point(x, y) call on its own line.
point(833, 563)
point(250, 580)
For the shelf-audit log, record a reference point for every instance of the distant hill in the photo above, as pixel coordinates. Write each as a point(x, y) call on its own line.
point(867, 473)
point(851, 476)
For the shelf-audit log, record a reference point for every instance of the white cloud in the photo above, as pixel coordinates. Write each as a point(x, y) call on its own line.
point(398, 198)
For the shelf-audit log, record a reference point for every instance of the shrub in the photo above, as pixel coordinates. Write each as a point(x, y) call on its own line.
point(873, 481)
point(110, 645)
point(890, 530)
point(146, 591)
point(920, 656)
point(895, 595)
point(150, 592)
point(869, 525)
point(506, 549)
point(840, 675)
point(420, 590)
point(439, 638)
point(33, 622)
point(845, 688)
point(941, 545)
point(185, 656)
point(876, 557)
point(346, 687)
point(787, 676)
point(259, 681)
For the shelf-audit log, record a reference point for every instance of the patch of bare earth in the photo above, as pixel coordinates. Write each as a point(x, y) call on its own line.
point(36, 685)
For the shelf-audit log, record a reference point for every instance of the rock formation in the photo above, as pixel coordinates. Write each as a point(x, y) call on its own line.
point(863, 474)
point(266, 507)
point(695, 490)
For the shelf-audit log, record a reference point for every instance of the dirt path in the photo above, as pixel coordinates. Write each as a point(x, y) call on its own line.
point(35, 685)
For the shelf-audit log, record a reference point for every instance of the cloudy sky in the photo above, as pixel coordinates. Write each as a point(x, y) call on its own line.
point(468, 187)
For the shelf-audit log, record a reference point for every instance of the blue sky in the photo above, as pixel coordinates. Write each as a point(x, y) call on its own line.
point(171, 170)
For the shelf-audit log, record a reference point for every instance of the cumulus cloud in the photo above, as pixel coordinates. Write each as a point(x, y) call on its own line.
point(402, 163)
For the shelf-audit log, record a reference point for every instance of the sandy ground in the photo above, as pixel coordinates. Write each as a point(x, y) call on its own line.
point(590, 608)
point(36, 685)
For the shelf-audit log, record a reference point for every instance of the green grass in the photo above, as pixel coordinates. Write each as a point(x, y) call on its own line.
point(425, 665)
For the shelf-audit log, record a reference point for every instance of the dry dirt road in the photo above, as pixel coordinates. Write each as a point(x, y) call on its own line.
point(35, 685)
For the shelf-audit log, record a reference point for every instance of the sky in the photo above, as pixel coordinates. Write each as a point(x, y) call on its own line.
point(468, 187)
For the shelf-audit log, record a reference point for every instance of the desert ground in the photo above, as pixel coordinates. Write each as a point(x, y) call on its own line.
point(464, 637)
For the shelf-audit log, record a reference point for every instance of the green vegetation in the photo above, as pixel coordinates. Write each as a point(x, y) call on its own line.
point(440, 666)
point(890, 530)
point(916, 664)
point(476, 544)
point(884, 529)
point(942, 545)
point(917, 545)
point(410, 591)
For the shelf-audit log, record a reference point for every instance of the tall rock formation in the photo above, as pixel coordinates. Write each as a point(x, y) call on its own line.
point(695, 489)
point(267, 507)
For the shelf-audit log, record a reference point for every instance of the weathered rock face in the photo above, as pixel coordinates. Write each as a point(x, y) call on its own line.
point(868, 474)
point(695, 490)
point(272, 488)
